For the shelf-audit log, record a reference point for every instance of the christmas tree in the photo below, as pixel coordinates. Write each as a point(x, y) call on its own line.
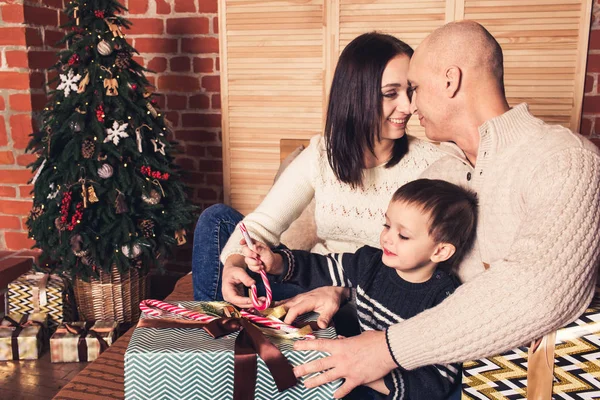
point(106, 191)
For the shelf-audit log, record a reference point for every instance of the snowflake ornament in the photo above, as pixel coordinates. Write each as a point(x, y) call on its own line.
point(115, 133)
point(68, 83)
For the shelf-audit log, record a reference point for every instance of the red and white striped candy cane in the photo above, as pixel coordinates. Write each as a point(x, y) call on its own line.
point(154, 307)
point(259, 305)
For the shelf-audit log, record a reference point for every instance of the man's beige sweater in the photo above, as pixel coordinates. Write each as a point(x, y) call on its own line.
point(539, 229)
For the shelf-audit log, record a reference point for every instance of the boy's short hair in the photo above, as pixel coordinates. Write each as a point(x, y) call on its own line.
point(452, 209)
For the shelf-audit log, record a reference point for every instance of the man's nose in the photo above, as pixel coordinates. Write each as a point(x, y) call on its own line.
point(413, 104)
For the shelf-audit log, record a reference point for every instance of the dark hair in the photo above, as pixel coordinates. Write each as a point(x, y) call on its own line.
point(355, 105)
point(452, 209)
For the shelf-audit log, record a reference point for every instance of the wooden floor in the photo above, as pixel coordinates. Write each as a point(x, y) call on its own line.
point(35, 380)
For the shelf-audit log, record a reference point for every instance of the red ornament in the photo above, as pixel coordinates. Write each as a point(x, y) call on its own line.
point(74, 59)
point(99, 14)
point(146, 170)
point(134, 86)
point(100, 113)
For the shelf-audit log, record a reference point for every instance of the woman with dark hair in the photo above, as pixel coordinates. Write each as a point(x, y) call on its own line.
point(351, 172)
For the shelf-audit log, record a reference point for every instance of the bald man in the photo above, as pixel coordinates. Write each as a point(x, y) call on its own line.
point(534, 265)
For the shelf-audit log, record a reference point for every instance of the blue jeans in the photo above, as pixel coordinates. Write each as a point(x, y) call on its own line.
point(214, 227)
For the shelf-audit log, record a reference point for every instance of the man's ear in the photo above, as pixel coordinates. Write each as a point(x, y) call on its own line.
point(443, 251)
point(452, 76)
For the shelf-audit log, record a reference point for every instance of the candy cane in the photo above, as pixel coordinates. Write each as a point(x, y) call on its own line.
point(147, 307)
point(253, 292)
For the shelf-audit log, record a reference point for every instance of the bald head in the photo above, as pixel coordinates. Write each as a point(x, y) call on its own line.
point(467, 45)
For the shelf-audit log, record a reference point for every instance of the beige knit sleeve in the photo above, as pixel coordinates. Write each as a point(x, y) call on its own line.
point(545, 281)
point(284, 203)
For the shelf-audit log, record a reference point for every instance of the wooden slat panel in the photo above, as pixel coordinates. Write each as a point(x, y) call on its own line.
point(278, 58)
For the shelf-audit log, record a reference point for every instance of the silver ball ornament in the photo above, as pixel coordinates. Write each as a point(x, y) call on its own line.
point(104, 48)
point(105, 171)
point(132, 251)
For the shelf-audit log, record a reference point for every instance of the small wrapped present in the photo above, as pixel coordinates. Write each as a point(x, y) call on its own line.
point(22, 336)
point(224, 358)
point(81, 341)
point(39, 292)
point(563, 365)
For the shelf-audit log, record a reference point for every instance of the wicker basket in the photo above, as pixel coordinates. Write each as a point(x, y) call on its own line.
point(113, 296)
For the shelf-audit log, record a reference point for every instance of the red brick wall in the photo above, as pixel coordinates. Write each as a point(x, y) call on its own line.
point(176, 38)
point(590, 121)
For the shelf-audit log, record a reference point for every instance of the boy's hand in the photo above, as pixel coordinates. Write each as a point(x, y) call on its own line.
point(260, 257)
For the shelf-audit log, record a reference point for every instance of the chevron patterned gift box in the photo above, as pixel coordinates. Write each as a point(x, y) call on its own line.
point(22, 336)
point(576, 372)
point(173, 363)
point(39, 292)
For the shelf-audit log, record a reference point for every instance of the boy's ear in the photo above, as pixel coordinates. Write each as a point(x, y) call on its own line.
point(443, 251)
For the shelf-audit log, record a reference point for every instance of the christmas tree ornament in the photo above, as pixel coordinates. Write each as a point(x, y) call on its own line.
point(123, 60)
point(60, 225)
point(87, 260)
point(52, 195)
point(82, 253)
point(115, 133)
point(68, 82)
point(92, 195)
point(76, 242)
point(180, 237)
point(114, 28)
point(120, 203)
point(159, 147)
point(84, 193)
point(105, 171)
point(153, 198)
point(147, 227)
point(84, 82)
point(131, 251)
point(111, 86)
point(100, 113)
point(76, 15)
point(74, 59)
point(87, 148)
point(80, 111)
point(138, 136)
point(39, 171)
point(75, 126)
point(35, 212)
point(99, 14)
point(152, 110)
point(104, 48)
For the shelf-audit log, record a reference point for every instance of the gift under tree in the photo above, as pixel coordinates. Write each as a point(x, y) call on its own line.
point(106, 192)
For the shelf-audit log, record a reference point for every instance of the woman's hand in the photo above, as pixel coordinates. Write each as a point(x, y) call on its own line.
point(235, 281)
point(324, 300)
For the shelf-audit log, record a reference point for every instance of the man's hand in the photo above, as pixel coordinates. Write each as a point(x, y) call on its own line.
point(235, 281)
point(359, 360)
point(324, 300)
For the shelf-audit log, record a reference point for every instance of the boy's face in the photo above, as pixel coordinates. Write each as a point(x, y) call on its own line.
point(405, 241)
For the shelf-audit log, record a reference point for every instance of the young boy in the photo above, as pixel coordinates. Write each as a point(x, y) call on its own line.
point(429, 226)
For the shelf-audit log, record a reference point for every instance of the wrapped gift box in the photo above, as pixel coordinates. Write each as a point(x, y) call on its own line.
point(81, 341)
point(576, 369)
point(22, 336)
point(39, 292)
point(190, 364)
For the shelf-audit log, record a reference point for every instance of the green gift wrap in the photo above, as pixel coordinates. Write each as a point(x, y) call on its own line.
point(188, 363)
point(38, 292)
point(565, 365)
point(22, 336)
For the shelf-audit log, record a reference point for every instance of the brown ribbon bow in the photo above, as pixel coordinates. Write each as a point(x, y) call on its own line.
point(18, 328)
point(248, 344)
point(82, 349)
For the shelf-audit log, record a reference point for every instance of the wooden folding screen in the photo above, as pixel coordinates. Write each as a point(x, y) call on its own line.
point(278, 57)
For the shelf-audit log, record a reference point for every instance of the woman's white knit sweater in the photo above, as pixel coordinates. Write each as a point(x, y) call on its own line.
point(346, 218)
point(539, 232)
